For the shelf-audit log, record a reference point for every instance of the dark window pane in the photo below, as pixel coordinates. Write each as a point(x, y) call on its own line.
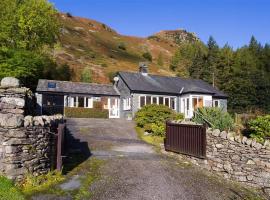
point(187, 103)
point(80, 101)
point(161, 101)
point(154, 100)
point(172, 103)
point(167, 102)
point(86, 102)
point(142, 101)
point(148, 100)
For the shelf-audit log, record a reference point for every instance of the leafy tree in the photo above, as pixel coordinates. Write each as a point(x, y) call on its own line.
point(86, 75)
point(25, 65)
point(29, 24)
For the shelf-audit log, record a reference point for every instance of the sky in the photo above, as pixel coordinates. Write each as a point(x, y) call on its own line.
point(228, 21)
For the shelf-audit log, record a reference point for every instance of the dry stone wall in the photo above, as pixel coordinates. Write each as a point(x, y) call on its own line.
point(27, 143)
point(237, 158)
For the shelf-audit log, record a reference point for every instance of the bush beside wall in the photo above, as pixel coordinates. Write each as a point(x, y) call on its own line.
point(86, 113)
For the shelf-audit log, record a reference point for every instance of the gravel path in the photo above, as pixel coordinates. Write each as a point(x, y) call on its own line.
point(134, 171)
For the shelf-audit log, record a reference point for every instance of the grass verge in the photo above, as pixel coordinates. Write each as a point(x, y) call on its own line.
point(150, 139)
point(8, 191)
point(90, 171)
point(44, 183)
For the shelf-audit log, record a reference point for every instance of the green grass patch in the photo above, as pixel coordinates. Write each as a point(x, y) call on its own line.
point(150, 139)
point(43, 183)
point(90, 171)
point(8, 191)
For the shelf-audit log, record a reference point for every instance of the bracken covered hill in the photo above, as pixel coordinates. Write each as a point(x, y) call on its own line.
point(86, 43)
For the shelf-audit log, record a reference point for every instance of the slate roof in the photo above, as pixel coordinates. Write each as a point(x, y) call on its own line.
point(167, 85)
point(76, 88)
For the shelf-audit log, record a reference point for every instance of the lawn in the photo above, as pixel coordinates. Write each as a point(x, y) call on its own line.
point(8, 191)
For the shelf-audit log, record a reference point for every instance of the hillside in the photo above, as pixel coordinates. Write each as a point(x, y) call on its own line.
point(99, 48)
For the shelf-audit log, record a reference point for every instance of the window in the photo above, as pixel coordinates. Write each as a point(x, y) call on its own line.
point(127, 104)
point(148, 100)
point(197, 102)
point(142, 101)
point(216, 103)
point(88, 102)
point(154, 100)
point(167, 101)
point(161, 100)
point(187, 103)
point(72, 102)
point(80, 102)
point(173, 103)
point(194, 102)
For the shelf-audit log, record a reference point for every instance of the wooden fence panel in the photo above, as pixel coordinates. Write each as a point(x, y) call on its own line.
point(186, 139)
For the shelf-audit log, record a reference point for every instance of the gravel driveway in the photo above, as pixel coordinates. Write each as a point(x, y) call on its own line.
point(134, 170)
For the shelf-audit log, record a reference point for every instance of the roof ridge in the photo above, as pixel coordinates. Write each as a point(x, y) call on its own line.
point(78, 82)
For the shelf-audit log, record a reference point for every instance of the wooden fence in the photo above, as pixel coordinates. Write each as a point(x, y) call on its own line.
point(186, 139)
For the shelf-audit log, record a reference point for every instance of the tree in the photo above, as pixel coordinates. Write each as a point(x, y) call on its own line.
point(26, 65)
point(29, 24)
point(86, 75)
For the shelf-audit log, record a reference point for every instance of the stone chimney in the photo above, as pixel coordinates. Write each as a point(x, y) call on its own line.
point(143, 68)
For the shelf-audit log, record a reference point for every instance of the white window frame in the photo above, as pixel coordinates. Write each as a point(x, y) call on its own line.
point(214, 103)
point(72, 102)
point(90, 102)
point(127, 103)
point(157, 98)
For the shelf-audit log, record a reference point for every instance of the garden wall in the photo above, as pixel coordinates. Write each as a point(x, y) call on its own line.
point(27, 143)
point(237, 158)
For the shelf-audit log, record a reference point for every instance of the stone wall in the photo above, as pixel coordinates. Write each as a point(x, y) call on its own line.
point(27, 143)
point(237, 158)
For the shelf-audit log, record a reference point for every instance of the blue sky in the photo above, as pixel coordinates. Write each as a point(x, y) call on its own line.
point(232, 21)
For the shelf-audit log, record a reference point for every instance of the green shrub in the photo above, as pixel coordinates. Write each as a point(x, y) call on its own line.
point(86, 113)
point(158, 129)
point(153, 117)
point(122, 46)
point(147, 56)
point(8, 191)
point(179, 116)
point(217, 118)
point(260, 127)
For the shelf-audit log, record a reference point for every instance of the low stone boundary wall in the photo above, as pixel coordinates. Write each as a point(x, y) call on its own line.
point(237, 158)
point(27, 143)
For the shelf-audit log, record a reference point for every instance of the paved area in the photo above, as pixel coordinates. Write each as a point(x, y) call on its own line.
point(135, 171)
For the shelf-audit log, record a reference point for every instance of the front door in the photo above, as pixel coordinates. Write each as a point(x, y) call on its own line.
point(113, 104)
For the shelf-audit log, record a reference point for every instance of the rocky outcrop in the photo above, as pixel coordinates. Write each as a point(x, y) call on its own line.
point(176, 36)
point(27, 143)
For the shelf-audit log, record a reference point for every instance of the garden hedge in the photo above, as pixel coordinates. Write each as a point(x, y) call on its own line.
point(86, 113)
